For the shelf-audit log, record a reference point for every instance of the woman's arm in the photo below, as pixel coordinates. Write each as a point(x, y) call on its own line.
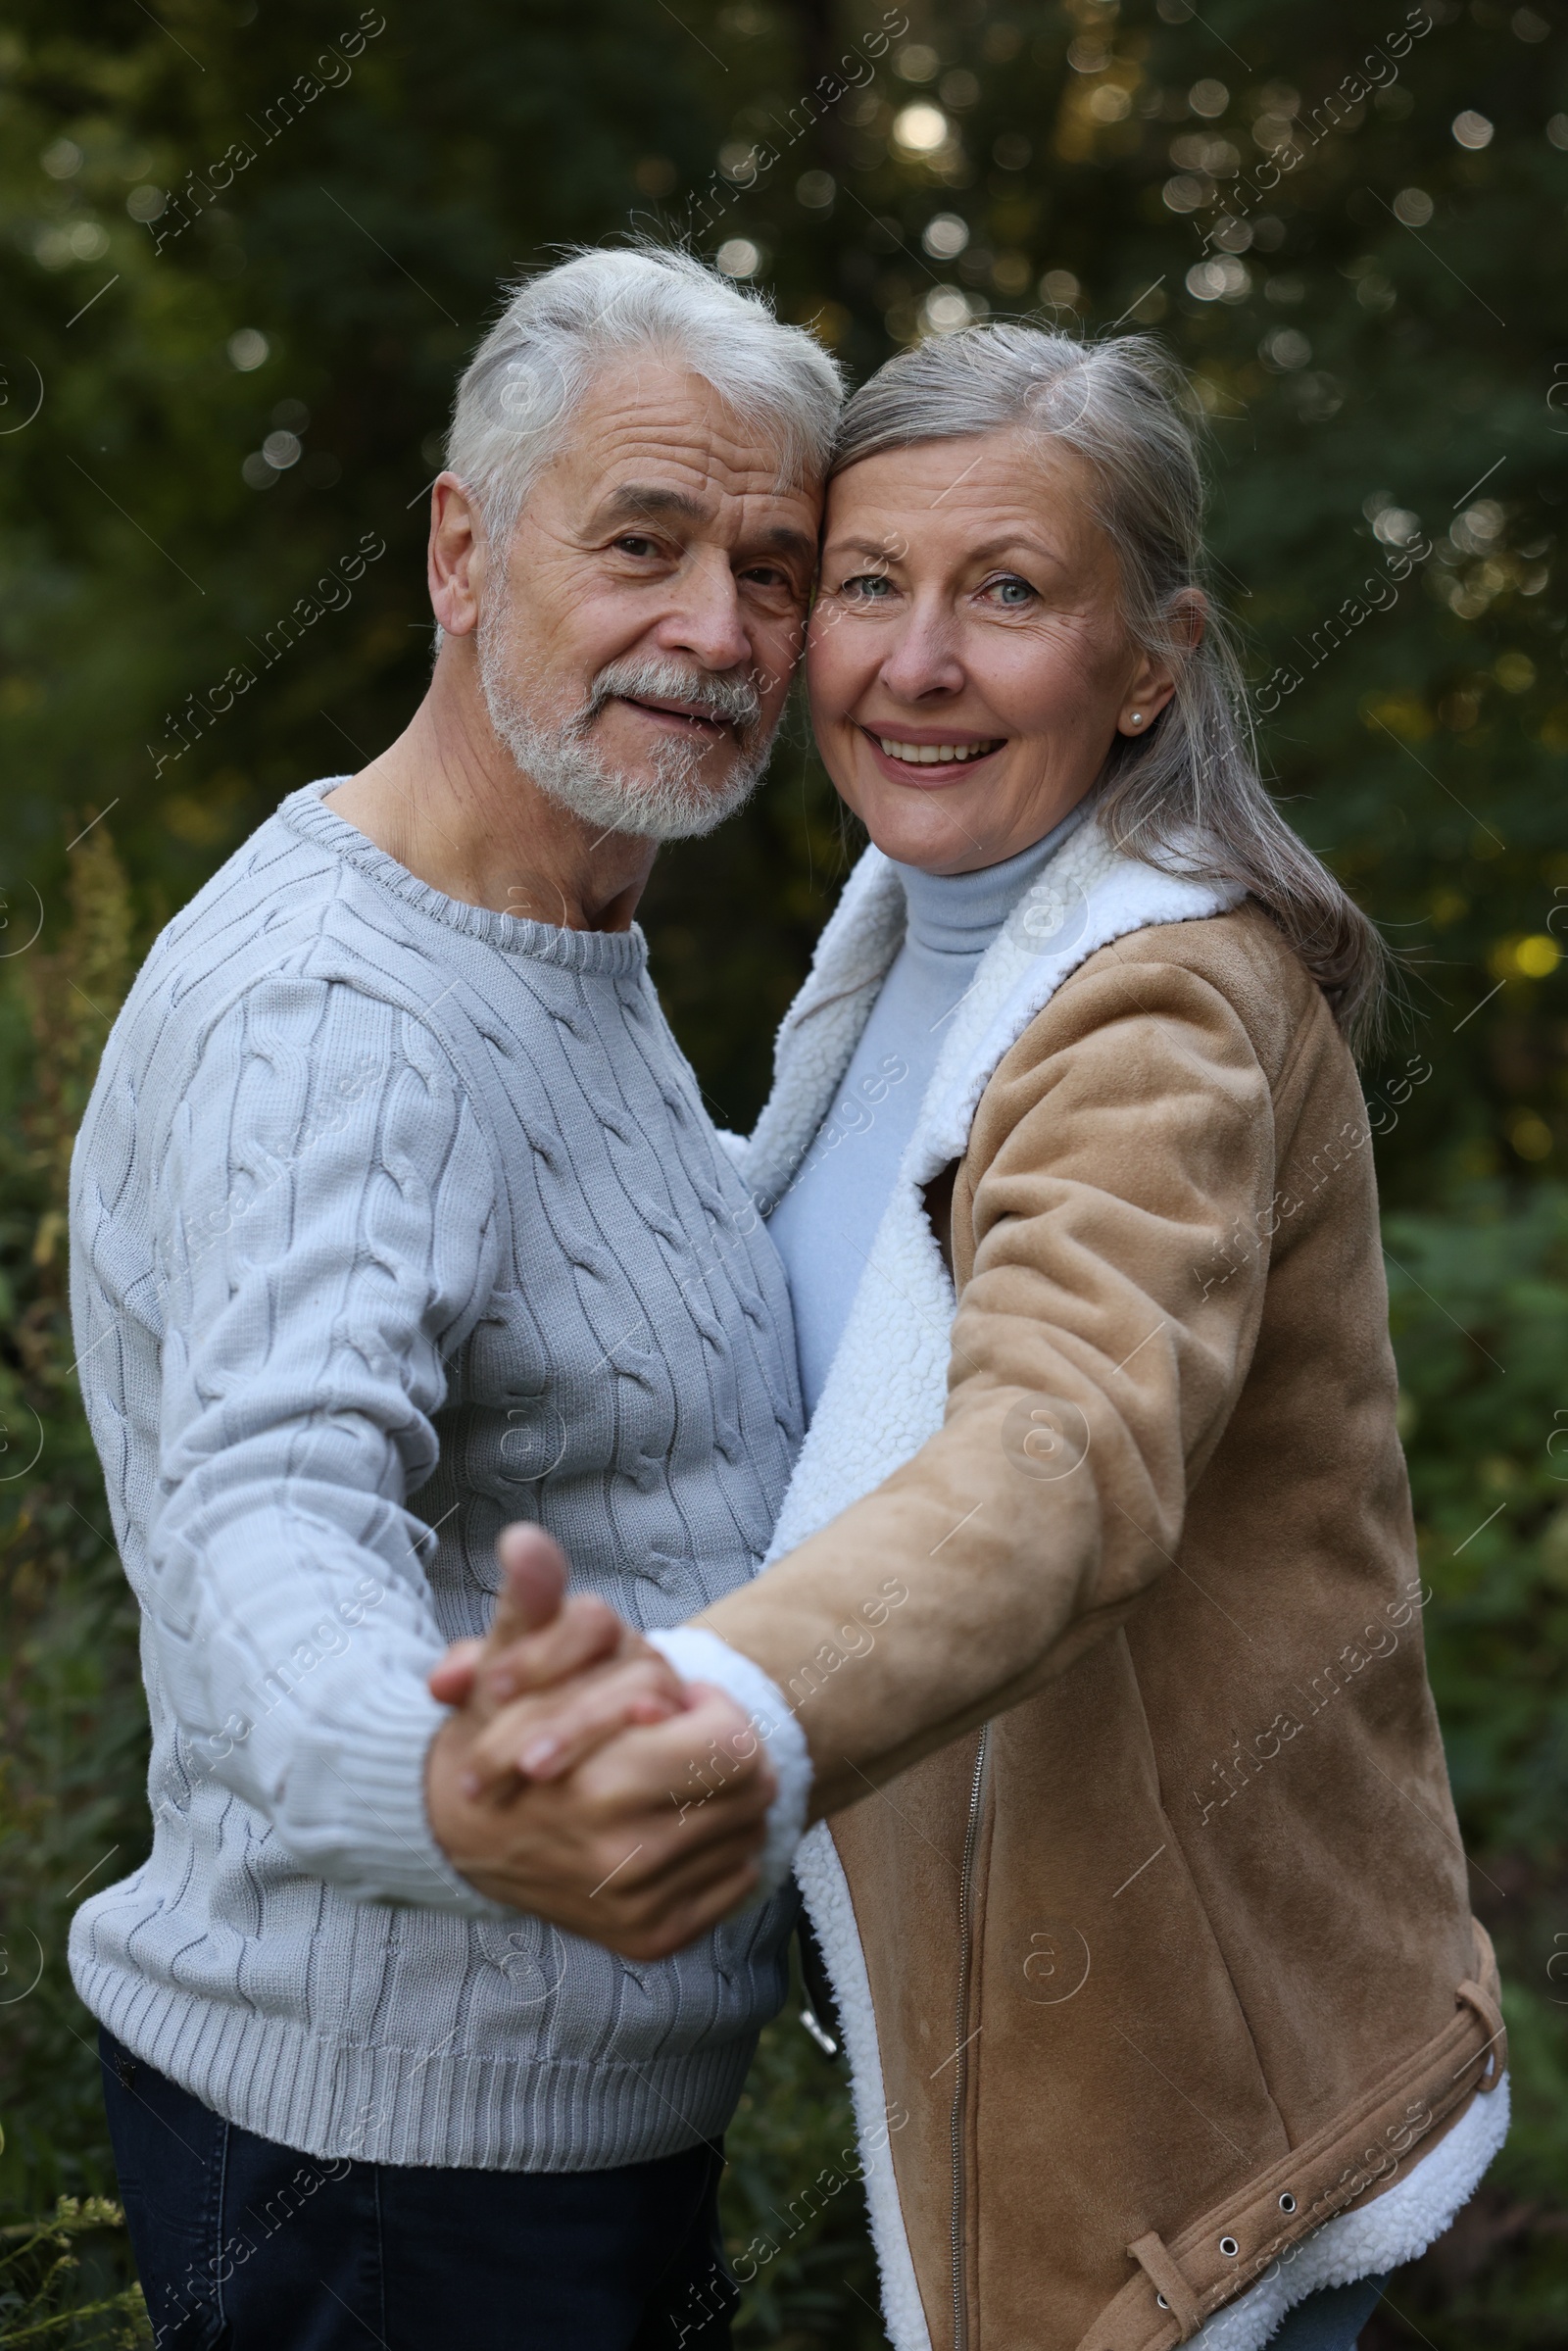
point(1118, 1188)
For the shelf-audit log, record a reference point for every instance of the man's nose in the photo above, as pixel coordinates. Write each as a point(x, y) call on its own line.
point(704, 618)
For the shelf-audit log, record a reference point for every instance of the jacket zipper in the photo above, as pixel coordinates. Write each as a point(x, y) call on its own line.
point(961, 2038)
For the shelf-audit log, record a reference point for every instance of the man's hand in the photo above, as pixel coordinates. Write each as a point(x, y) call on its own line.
point(643, 1847)
point(580, 1779)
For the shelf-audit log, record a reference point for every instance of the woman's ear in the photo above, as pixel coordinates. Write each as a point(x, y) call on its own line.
point(1190, 615)
point(1153, 678)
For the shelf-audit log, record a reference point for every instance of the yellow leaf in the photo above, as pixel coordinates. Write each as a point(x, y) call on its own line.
point(1402, 713)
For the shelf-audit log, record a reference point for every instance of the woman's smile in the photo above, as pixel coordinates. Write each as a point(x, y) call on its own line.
point(900, 748)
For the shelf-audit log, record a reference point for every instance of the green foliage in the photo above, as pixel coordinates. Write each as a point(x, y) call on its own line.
point(53, 2274)
point(1479, 1301)
point(1480, 1306)
point(71, 1799)
point(1369, 348)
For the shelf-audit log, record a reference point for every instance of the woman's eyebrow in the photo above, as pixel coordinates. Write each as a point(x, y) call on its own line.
point(1007, 542)
point(879, 551)
point(1012, 542)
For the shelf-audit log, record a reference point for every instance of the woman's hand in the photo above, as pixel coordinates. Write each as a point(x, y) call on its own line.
point(553, 1679)
point(645, 1846)
point(579, 1778)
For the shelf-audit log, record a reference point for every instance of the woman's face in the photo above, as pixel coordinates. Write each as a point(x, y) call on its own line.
point(967, 666)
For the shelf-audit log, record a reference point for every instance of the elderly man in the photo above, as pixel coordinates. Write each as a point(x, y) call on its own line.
point(395, 1194)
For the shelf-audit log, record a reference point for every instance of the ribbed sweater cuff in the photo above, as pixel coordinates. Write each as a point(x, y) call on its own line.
point(700, 1656)
point(374, 1783)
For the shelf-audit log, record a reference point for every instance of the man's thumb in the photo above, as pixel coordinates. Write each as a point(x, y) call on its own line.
point(533, 1569)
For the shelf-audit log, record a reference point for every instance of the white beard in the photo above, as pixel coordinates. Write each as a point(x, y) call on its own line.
point(665, 800)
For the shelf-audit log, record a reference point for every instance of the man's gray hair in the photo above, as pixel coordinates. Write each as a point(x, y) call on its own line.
point(1185, 793)
point(560, 329)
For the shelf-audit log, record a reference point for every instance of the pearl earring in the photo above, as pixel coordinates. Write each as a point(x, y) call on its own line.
point(1137, 718)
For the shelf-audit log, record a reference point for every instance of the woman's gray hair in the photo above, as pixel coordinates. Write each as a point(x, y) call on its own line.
point(560, 328)
point(1187, 795)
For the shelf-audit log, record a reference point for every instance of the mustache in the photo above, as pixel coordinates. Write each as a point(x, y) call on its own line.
point(732, 701)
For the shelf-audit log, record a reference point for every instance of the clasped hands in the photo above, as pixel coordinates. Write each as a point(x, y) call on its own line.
point(581, 1779)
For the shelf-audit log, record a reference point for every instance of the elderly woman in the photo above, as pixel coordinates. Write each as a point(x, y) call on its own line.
point(1140, 1888)
point(1095, 1593)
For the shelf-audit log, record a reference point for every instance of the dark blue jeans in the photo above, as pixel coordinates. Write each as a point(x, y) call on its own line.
point(244, 2245)
point(1331, 2318)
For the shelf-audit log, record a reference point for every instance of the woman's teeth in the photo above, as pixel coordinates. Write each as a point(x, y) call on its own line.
point(929, 755)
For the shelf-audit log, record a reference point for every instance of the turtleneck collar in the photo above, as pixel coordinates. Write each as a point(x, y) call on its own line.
point(960, 913)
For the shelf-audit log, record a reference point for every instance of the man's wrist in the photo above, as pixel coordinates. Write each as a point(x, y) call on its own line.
point(448, 1814)
point(699, 1654)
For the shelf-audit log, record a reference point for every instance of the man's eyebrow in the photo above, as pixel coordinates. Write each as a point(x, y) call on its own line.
point(790, 542)
point(651, 501)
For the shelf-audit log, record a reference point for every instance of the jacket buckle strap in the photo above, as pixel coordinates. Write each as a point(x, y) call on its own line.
point(1495, 2052)
point(1169, 2282)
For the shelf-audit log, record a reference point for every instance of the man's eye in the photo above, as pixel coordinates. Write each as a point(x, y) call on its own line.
point(1010, 590)
point(767, 575)
point(632, 544)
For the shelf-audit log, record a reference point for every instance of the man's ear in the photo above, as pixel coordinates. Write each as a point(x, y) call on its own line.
point(455, 566)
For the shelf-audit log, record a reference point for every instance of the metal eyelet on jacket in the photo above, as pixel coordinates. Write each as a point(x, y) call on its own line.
point(1286, 2202)
point(1229, 2247)
point(1163, 2304)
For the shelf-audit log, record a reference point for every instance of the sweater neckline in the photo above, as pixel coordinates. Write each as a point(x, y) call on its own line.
point(957, 916)
point(616, 953)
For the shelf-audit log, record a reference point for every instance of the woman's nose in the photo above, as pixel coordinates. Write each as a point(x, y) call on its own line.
point(923, 659)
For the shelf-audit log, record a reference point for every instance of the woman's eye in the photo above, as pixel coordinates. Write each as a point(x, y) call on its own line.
point(867, 587)
point(1011, 591)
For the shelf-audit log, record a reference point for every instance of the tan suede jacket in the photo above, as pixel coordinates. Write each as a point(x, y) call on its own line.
point(1140, 1793)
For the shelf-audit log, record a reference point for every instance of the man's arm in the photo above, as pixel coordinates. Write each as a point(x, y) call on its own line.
point(325, 1228)
point(326, 1234)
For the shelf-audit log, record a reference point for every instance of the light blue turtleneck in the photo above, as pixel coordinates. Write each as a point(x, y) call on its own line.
point(826, 1224)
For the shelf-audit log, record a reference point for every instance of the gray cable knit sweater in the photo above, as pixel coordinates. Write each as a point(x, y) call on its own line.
point(394, 1220)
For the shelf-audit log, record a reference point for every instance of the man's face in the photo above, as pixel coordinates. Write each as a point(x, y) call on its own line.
point(651, 616)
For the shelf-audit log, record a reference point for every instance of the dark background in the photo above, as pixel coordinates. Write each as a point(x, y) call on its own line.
point(1380, 349)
